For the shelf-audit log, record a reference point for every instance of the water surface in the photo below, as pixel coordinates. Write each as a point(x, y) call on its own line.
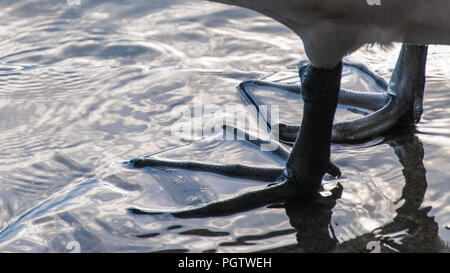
point(84, 88)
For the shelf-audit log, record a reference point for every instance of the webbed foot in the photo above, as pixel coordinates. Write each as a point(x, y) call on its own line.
point(400, 100)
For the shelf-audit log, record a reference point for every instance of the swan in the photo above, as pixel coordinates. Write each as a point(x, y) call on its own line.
point(330, 30)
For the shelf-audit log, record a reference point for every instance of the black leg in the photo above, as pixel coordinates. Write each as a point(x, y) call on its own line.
point(408, 80)
point(310, 156)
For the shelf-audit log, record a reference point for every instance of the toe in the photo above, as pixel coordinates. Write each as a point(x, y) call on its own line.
point(334, 170)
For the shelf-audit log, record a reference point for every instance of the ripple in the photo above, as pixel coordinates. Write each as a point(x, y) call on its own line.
point(84, 88)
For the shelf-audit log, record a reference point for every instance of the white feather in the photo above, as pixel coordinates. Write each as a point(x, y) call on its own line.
point(331, 29)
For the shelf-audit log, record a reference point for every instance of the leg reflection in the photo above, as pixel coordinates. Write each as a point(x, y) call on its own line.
point(412, 230)
point(422, 230)
point(311, 217)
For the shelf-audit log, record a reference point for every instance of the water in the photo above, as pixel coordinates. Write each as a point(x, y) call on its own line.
point(84, 88)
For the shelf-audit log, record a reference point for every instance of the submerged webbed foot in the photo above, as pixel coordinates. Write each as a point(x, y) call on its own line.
point(400, 100)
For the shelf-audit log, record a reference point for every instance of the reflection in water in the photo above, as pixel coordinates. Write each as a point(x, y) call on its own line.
point(311, 218)
point(412, 230)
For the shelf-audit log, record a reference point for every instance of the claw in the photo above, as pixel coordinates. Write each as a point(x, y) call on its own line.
point(334, 170)
point(303, 71)
point(138, 163)
point(418, 109)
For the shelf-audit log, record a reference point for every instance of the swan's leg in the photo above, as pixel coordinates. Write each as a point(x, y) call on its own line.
point(307, 162)
point(310, 155)
point(408, 80)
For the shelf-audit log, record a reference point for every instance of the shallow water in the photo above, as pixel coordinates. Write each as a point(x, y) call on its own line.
point(85, 88)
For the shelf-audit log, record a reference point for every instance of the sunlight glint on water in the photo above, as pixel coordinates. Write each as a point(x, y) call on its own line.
point(84, 88)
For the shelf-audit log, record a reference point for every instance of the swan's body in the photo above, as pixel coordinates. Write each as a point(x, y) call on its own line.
point(331, 29)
